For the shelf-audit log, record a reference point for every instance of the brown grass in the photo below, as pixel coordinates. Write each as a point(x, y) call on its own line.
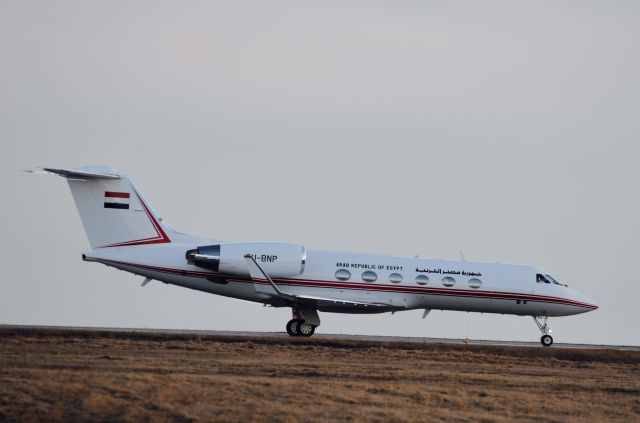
point(105, 376)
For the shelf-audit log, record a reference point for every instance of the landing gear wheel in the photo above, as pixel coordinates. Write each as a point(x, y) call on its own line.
point(292, 327)
point(546, 340)
point(305, 329)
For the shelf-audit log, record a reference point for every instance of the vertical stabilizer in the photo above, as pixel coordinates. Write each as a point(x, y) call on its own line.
point(113, 212)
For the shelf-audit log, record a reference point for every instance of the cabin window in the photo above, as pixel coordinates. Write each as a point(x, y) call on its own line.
point(369, 276)
point(422, 279)
point(343, 275)
point(448, 281)
point(475, 283)
point(395, 278)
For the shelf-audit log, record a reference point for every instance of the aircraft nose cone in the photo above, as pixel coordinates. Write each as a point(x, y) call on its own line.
point(588, 302)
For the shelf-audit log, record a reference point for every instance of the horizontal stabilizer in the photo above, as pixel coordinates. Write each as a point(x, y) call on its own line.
point(87, 172)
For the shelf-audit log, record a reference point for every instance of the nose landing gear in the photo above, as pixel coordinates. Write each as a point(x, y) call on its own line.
point(546, 340)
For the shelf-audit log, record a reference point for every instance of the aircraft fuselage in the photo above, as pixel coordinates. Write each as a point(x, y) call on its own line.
point(422, 283)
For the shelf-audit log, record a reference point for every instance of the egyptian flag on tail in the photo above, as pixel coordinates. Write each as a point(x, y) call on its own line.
point(116, 200)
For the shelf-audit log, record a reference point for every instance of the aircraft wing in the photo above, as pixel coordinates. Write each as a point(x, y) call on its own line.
point(324, 302)
point(319, 302)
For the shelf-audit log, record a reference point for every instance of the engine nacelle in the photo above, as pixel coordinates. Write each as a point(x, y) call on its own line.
point(278, 260)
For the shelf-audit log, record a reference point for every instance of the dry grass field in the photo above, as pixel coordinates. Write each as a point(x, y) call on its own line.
point(56, 375)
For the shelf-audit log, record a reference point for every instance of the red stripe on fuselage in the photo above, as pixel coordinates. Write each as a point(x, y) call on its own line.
point(370, 287)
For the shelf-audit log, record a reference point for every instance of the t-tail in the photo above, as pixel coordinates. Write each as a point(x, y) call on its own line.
point(114, 213)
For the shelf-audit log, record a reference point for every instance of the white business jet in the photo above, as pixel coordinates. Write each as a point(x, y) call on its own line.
point(125, 232)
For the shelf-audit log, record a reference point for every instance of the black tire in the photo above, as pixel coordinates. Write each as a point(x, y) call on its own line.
point(546, 340)
point(306, 329)
point(292, 327)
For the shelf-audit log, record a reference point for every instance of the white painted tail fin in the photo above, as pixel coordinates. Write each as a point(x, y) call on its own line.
point(113, 212)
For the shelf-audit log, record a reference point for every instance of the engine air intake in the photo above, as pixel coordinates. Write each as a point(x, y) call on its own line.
point(207, 256)
point(279, 260)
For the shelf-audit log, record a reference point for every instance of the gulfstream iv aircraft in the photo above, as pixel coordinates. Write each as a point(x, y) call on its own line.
point(125, 232)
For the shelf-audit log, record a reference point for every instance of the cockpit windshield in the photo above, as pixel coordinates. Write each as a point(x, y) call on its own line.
point(540, 278)
point(553, 280)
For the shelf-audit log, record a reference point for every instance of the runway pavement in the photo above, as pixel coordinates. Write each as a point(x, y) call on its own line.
point(325, 337)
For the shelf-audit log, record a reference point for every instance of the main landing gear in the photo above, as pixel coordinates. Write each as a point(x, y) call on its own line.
point(304, 322)
point(296, 327)
point(546, 340)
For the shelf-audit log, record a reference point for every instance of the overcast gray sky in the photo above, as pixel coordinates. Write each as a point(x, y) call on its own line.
point(508, 130)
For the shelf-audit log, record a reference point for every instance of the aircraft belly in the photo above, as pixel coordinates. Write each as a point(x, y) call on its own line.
point(240, 290)
point(496, 306)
